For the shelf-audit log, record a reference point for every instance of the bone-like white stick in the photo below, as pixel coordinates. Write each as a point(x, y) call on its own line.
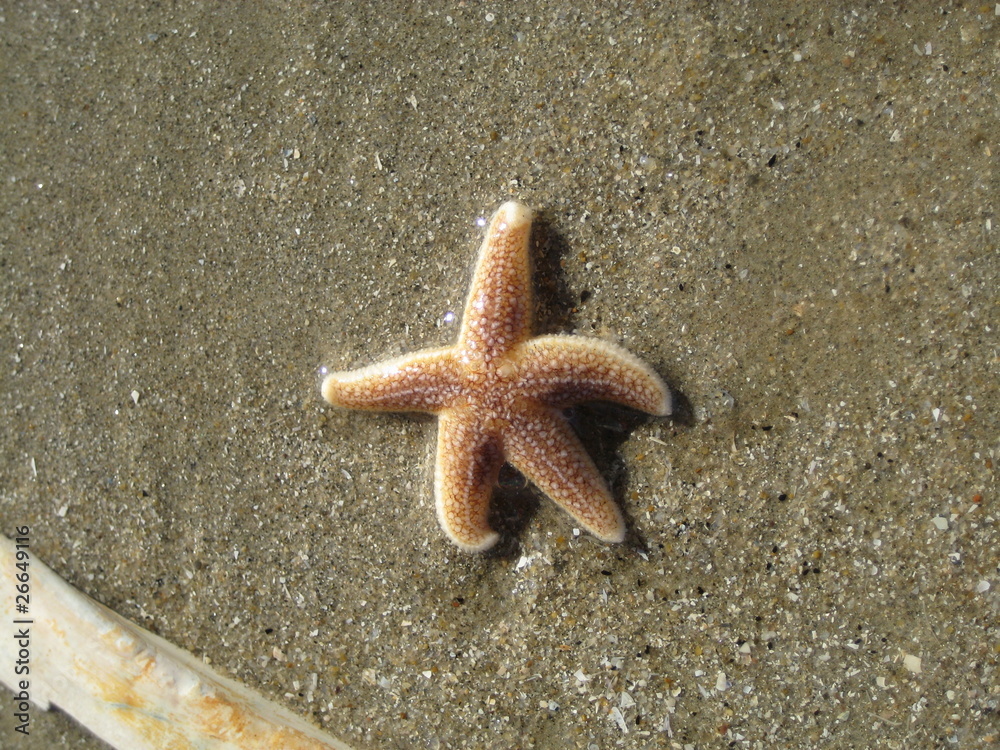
point(128, 686)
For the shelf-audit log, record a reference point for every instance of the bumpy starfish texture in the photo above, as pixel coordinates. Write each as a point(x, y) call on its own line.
point(499, 393)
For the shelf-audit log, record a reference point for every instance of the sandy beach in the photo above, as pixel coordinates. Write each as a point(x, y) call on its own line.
point(788, 210)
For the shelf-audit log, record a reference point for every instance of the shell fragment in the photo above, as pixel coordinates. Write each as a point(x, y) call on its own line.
point(128, 686)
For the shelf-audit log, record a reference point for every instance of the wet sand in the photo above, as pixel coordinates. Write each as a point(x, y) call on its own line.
point(789, 212)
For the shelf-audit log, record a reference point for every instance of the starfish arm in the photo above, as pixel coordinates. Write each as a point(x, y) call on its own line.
point(498, 311)
point(423, 381)
point(564, 370)
point(543, 447)
point(467, 466)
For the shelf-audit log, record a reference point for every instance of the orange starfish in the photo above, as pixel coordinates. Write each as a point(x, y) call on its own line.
point(499, 393)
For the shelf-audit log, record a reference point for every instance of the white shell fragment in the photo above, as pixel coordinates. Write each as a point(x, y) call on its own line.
point(128, 686)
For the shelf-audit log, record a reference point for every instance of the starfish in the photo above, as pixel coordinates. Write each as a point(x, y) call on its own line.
point(499, 395)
